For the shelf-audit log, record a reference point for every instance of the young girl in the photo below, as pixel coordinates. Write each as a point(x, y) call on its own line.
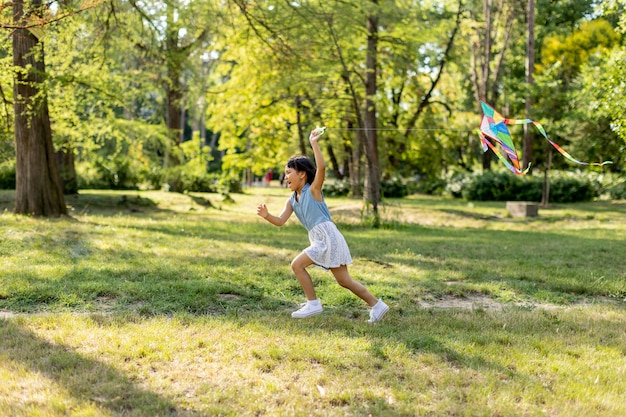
point(328, 247)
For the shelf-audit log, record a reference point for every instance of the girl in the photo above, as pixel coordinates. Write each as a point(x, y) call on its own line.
point(328, 247)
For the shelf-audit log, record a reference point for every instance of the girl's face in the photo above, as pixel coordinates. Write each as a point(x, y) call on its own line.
point(295, 179)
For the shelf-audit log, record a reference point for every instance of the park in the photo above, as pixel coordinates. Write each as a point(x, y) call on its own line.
point(172, 174)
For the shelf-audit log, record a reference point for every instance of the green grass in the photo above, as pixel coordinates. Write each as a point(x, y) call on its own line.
point(157, 304)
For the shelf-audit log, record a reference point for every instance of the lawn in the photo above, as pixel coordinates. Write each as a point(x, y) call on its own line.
point(165, 304)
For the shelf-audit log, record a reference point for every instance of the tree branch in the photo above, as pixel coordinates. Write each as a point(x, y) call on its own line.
point(33, 21)
point(425, 101)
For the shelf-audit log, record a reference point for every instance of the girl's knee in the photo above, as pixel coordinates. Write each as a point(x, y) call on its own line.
point(345, 282)
point(296, 265)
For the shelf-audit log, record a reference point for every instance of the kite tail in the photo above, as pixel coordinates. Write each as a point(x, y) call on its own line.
point(563, 152)
point(554, 145)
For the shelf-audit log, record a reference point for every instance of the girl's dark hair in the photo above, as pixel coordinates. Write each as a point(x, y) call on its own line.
point(302, 163)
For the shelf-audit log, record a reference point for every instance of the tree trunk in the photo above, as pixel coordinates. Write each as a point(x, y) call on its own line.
point(355, 164)
point(174, 88)
point(372, 189)
point(530, 65)
point(67, 171)
point(545, 195)
point(334, 164)
point(301, 141)
point(38, 185)
point(484, 87)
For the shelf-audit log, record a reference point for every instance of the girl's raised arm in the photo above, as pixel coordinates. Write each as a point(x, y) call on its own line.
point(320, 164)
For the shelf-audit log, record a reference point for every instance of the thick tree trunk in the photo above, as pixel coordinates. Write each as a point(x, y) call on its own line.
point(173, 88)
point(38, 185)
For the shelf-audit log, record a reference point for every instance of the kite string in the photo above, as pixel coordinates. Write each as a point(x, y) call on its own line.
point(390, 128)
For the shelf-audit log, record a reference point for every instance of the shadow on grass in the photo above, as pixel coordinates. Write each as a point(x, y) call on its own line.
point(126, 201)
point(89, 382)
point(529, 263)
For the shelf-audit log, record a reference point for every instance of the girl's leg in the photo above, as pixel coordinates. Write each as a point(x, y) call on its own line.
point(298, 265)
point(345, 280)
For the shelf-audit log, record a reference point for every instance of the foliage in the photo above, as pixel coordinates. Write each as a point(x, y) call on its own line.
point(7, 175)
point(253, 73)
point(573, 50)
point(600, 97)
point(394, 188)
point(618, 191)
point(337, 188)
point(504, 186)
point(436, 186)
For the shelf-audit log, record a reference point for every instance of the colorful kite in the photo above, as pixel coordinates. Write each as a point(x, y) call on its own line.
point(494, 126)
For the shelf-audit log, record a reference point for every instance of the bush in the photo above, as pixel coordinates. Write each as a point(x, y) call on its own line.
point(572, 190)
point(338, 188)
point(494, 186)
point(119, 173)
point(393, 188)
point(7, 176)
point(505, 186)
point(184, 178)
point(618, 192)
point(430, 186)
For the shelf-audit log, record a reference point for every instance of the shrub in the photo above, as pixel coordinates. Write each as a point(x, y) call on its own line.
point(493, 186)
point(430, 186)
point(618, 192)
point(186, 178)
point(393, 188)
point(505, 186)
point(229, 184)
point(338, 188)
point(571, 190)
point(7, 176)
point(118, 173)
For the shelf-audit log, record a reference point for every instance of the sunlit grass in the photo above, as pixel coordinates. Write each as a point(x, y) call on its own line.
point(151, 303)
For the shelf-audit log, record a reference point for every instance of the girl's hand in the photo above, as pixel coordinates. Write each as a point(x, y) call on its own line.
point(262, 211)
point(316, 133)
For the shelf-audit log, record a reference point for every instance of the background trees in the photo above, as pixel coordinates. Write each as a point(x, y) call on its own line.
point(153, 94)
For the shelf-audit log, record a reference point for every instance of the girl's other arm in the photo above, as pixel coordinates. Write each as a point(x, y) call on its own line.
point(279, 220)
point(320, 165)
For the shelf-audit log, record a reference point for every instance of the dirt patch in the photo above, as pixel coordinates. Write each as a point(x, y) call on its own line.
point(484, 302)
point(477, 302)
point(229, 297)
point(469, 302)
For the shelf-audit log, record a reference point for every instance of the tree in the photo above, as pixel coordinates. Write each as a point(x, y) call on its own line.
point(38, 185)
point(372, 188)
point(494, 31)
point(186, 29)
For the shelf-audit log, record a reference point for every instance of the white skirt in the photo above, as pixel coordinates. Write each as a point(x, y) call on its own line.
point(328, 247)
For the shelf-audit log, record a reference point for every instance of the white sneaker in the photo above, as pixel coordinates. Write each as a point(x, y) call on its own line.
point(307, 310)
point(378, 312)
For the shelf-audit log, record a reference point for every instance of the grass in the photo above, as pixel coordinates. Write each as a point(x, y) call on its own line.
point(163, 304)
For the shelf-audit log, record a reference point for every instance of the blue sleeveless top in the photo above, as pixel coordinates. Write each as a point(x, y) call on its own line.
point(309, 211)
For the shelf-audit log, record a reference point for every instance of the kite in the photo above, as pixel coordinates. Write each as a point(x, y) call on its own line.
point(493, 127)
